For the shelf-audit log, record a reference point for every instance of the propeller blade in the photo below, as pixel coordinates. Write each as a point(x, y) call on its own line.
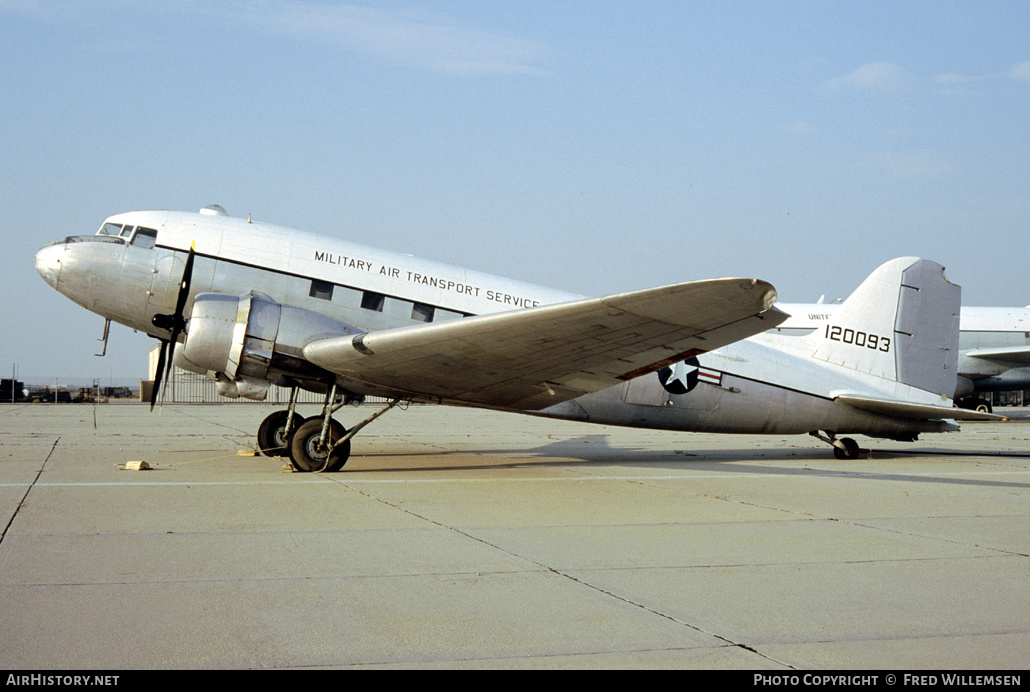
point(158, 374)
point(184, 285)
point(170, 345)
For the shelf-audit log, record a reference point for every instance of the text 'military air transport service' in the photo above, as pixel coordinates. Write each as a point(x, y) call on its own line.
point(250, 305)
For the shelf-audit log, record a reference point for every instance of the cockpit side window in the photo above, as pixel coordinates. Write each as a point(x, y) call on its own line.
point(145, 238)
point(126, 231)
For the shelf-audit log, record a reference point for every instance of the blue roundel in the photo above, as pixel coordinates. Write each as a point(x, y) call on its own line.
point(681, 377)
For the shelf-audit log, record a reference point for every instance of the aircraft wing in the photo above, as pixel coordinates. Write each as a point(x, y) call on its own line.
point(534, 358)
point(911, 410)
point(1010, 354)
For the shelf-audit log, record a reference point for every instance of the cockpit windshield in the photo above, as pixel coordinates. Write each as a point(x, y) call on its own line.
point(140, 236)
point(145, 237)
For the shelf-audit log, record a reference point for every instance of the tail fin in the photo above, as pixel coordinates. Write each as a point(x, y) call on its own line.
point(901, 324)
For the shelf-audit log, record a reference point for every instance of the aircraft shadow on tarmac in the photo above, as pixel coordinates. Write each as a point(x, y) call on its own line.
point(596, 451)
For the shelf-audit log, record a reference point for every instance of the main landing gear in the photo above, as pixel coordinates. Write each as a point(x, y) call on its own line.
point(843, 447)
point(315, 444)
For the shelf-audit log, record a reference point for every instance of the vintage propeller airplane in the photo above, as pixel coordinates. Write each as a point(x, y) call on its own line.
point(254, 304)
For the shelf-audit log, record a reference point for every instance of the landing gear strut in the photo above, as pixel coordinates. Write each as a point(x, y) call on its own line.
point(843, 447)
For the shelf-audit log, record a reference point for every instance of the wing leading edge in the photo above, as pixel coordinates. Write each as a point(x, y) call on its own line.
point(531, 359)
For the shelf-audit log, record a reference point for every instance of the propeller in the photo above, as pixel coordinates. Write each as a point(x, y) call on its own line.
point(175, 323)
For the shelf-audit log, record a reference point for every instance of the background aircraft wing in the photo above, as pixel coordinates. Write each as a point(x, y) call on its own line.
point(534, 358)
point(1009, 354)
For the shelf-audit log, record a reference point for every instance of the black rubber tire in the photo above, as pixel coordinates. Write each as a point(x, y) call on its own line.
point(850, 450)
point(271, 438)
point(304, 453)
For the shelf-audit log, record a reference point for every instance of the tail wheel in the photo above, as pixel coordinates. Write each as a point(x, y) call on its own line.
point(848, 450)
point(308, 454)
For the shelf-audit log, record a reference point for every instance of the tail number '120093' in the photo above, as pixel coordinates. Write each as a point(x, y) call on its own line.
point(860, 339)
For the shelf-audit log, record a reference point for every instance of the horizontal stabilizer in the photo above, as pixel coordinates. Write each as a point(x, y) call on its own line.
point(1011, 354)
point(911, 410)
point(534, 358)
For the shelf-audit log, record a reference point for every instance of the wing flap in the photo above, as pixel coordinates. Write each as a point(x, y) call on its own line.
point(912, 410)
point(531, 359)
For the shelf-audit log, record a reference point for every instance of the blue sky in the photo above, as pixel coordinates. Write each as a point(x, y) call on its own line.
point(591, 146)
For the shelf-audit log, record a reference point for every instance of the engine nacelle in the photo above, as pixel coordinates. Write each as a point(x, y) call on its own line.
point(247, 342)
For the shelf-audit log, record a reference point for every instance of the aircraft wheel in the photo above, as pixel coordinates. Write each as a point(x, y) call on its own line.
point(271, 434)
point(983, 406)
point(307, 454)
point(849, 451)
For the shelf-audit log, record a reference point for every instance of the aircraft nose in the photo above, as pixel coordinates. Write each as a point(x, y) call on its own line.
point(48, 262)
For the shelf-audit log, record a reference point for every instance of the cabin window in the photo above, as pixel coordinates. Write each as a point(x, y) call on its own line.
point(420, 312)
point(145, 238)
point(371, 300)
point(321, 289)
